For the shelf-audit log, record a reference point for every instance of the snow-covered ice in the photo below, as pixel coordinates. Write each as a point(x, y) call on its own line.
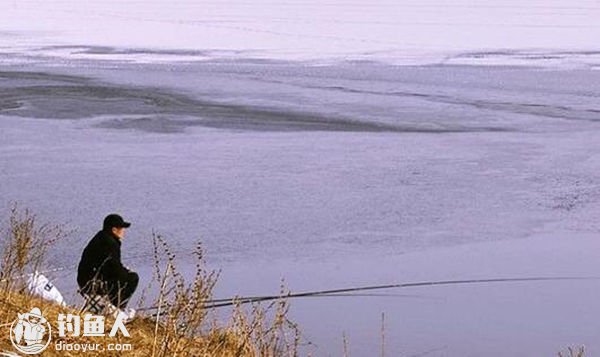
point(548, 32)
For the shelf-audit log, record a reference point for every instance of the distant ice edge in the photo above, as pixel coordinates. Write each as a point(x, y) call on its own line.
point(75, 54)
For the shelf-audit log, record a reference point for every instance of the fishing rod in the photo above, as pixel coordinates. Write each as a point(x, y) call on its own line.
point(251, 299)
point(215, 303)
point(333, 295)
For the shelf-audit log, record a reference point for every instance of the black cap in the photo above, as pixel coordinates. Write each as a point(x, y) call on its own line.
point(115, 221)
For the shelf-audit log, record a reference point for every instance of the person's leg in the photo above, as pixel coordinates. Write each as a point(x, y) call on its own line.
point(129, 288)
point(121, 291)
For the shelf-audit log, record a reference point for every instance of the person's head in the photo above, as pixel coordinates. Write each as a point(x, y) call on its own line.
point(115, 224)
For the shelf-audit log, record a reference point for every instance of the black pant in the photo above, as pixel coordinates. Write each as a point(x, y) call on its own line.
point(118, 291)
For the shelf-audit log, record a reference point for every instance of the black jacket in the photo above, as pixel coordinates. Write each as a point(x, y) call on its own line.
point(101, 259)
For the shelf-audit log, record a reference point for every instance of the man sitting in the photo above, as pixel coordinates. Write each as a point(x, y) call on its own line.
point(100, 270)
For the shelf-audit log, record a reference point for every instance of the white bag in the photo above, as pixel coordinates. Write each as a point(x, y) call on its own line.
point(40, 286)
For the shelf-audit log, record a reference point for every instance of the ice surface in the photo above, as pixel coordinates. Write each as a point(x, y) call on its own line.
point(480, 172)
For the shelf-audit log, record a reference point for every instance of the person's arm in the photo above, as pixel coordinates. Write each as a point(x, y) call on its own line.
point(113, 269)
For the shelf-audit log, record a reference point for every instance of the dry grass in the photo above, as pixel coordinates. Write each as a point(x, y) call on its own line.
point(24, 247)
point(572, 352)
point(179, 326)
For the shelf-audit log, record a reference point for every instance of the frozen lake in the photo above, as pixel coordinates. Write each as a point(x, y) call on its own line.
point(331, 144)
